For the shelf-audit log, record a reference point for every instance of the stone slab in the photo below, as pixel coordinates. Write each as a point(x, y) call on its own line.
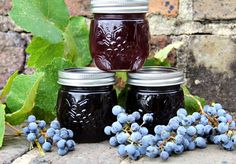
point(214, 9)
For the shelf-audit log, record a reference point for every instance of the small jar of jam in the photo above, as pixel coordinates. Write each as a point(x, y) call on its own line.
point(85, 102)
point(119, 34)
point(155, 90)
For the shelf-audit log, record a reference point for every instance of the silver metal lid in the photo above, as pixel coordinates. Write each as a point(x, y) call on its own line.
point(85, 77)
point(119, 6)
point(156, 77)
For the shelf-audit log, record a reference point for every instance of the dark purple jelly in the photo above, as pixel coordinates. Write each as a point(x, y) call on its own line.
point(156, 90)
point(86, 108)
point(119, 39)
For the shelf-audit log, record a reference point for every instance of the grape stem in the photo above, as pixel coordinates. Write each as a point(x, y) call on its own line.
point(18, 132)
point(40, 148)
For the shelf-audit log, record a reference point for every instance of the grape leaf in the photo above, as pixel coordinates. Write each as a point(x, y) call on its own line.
point(190, 103)
point(157, 62)
point(163, 53)
point(20, 89)
point(2, 123)
point(7, 87)
point(48, 89)
point(43, 52)
point(77, 41)
point(43, 18)
point(21, 114)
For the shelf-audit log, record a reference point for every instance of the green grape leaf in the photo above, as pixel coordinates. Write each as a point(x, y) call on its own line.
point(2, 123)
point(21, 114)
point(43, 18)
point(47, 93)
point(163, 53)
point(77, 41)
point(43, 52)
point(7, 87)
point(190, 103)
point(21, 87)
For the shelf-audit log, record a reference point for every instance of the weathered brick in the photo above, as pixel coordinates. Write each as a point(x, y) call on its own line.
point(214, 9)
point(163, 7)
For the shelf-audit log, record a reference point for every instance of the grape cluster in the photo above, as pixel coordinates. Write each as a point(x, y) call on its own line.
point(36, 132)
point(183, 132)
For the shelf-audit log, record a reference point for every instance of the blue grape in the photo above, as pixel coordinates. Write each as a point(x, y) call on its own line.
point(196, 115)
point(70, 133)
point(135, 127)
point(142, 150)
point(122, 118)
point(224, 138)
point(50, 132)
point(182, 111)
point(200, 142)
point(121, 150)
point(131, 119)
point(116, 127)
point(165, 135)
point(62, 152)
point(200, 129)
point(31, 118)
point(223, 127)
point(222, 119)
point(233, 138)
point(31, 137)
point(26, 130)
point(228, 146)
point(143, 131)
point(70, 144)
point(107, 130)
point(164, 155)
point(152, 151)
point(191, 131)
point(148, 140)
point(207, 129)
point(181, 130)
point(32, 126)
point(187, 121)
point(174, 123)
point(179, 139)
point(56, 138)
point(232, 125)
point(179, 149)
point(203, 120)
point(41, 139)
point(135, 136)
point(136, 115)
point(211, 111)
point(148, 117)
point(64, 133)
point(117, 110)
point(191, 146)
point(47, 146)
point(169, 147)
point(228, 117)
point(221, 112)
point(135, 156)
point(122, 138)
point(130, 149)
point(158, 129)
point(61, 144)
point(218, 106)
point(55, 125)
point(42, 124)
point(113, 141)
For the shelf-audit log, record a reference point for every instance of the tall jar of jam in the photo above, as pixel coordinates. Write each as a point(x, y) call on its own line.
point(119, 34)
point(156, 90)
point(85, 102)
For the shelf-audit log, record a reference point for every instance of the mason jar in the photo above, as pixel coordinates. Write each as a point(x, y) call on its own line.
point(119, 34)
point(156, 90)
point(85, 102)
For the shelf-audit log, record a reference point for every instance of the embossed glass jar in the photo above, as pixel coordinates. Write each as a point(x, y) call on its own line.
point(119, 34)
point(156, 90)
point(85, 102)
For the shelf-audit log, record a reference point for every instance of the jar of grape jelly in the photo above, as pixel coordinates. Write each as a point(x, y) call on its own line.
point(155, 90)
point(85, 102)
point(119, 34)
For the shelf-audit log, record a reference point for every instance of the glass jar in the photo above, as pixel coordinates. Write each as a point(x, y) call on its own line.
point(156, 90)
point(119, 34)
point(85, 102)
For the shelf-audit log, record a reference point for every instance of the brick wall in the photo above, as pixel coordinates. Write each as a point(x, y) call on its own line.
point(207, 27)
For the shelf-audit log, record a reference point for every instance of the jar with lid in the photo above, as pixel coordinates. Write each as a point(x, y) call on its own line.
point(85, 102)
point(156, 90)
point(119, 34)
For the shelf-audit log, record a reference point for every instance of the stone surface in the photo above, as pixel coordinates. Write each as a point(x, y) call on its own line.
point(5, 6)
point(13, 147)
point(79, 7)
point(214, 9)
point(163, 7)
point(12, 47)
point(210, 67)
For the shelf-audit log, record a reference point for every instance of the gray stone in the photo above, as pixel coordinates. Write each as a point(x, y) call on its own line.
point(12, 47)
point(214, 9)
point(6, 24)
point(210, 66)
point(13, 147)
point(5, 6)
